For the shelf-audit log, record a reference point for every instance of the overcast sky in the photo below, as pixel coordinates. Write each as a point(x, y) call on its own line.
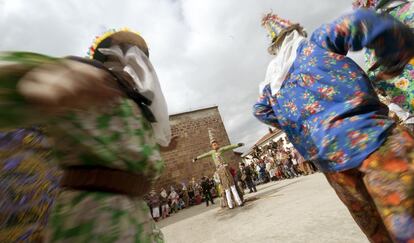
point(206, 52)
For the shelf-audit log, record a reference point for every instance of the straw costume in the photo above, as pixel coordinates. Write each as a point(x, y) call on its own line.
point(226, 179)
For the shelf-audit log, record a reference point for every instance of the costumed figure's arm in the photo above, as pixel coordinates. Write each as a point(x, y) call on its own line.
point(231, 147)
point(205, 155)
point(35, 88)
point(392, 41)
point(263, 111)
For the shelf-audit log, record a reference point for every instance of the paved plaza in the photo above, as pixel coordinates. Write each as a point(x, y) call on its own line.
point(301, 210)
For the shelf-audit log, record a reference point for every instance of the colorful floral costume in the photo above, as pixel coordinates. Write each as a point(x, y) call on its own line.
point(332, 115)
point(115, 137)
point(401, 88)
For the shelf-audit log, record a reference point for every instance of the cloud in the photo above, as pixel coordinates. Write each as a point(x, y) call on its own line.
point(205, 52)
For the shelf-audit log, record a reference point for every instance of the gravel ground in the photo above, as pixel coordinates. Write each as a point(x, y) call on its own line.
point(301, 210)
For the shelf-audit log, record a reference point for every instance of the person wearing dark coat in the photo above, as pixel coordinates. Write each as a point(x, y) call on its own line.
point(247, 177)
point(206, 186)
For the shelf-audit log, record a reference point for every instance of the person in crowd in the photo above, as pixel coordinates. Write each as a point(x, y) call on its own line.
point(173, 199)
point(191, 191)
point(197, 193)
point(213, 187)
point(285, 164)
point(270, 167)
point(303, 165)
point(185, 195)
point(291, 164)
point(296, 167)
point(165, 208)
point(206, 187)
point(154, 202)
point(181, 204)
point(242, 178)
point(263, 171)
point(278, 162)
point(239, 185)
point(255, 173)
point(247, 177)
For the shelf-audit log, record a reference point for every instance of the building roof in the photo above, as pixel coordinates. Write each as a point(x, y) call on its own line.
point(268, 136)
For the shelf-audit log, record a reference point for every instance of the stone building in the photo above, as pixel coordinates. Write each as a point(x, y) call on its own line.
point(193, 140)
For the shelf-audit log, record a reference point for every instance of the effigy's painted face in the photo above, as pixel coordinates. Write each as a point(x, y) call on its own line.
point(215, 145)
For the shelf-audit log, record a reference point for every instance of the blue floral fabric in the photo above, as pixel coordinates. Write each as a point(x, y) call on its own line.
point(327, 105)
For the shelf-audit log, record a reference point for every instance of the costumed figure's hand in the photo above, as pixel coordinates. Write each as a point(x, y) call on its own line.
point(392, 62)
point(194, 160)
point(240, 144)
point(68, 84)
point(395, 117)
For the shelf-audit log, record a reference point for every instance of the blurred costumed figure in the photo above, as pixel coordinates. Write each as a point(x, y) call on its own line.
point(399, 89)
point(223, 172)
point(29, 183)
point(326, 105)
point(106, 115)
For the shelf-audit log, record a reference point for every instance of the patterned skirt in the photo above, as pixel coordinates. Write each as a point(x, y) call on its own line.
point(28, 185)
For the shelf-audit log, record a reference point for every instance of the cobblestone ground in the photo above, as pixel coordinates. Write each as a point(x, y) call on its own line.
point(301, 210)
